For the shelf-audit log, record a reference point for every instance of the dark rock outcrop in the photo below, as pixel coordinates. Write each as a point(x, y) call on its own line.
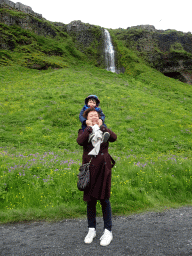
point(20, 7)
point(168, 51)
point(89, 39)
point(25, 21)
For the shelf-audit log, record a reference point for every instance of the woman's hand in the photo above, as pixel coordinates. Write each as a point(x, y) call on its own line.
point(88, 123)
point(100, 122)
point(95, 121)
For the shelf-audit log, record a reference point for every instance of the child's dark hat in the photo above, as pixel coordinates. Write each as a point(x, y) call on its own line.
point(92, 97)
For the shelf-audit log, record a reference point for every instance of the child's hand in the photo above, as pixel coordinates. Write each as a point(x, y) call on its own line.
point(88, 123)
point(100, 122)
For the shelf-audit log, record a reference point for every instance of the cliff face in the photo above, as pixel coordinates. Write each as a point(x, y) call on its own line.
point(26, 21)
point(176, 55)
point(168, 51)
point(20, 7)
point(89, 39)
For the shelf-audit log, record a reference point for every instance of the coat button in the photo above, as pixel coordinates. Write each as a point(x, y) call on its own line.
point(102, 154)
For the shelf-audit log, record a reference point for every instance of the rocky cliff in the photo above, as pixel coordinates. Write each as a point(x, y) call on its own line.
point(23, 16)
point(89, 39)
point(168, 51)
point(20, 7)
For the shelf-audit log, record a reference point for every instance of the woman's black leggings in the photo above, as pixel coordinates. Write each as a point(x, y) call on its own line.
point(91, 213)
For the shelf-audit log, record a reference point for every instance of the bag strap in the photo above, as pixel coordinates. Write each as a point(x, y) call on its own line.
point(113, 161)
point(90, 160)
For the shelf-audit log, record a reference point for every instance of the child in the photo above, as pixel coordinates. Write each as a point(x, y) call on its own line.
point(92, 101)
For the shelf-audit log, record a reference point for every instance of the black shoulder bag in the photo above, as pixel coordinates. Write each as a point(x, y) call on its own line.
point(84, 176)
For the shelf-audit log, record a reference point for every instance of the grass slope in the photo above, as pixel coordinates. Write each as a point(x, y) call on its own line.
point(28, 49)
point(43, 83)
point(39, 156)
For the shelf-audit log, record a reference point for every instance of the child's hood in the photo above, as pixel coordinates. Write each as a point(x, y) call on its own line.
point(94, 97)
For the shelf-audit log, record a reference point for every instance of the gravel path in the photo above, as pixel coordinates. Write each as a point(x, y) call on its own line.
point(157, 234)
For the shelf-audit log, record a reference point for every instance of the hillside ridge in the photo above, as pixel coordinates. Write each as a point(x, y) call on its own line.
point(20, 7)
point(169, 51)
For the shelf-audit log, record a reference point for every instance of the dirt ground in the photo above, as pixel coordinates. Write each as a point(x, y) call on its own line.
point(157, 234)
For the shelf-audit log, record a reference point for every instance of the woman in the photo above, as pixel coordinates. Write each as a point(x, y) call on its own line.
point(100, 178)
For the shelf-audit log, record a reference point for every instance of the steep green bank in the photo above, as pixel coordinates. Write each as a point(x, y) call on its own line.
point(40, 44)
point(39, 156)
point(44, 79)
point(27, 48)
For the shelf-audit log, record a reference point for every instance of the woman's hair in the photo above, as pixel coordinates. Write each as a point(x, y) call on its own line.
point(87, 111)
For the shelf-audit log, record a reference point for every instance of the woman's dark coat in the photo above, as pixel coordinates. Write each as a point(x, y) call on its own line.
point(100, 167)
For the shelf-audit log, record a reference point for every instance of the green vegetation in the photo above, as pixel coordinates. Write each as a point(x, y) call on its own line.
point(39, 156)
point(142, 48)
point(13, 13)
point(44, 45)
point(38, 52)
point(43, 83)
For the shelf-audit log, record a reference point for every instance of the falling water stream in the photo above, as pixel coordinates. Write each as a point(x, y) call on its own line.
point(109, 53)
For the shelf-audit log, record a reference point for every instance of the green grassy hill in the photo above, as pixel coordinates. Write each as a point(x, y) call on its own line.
point(27, 49)
point(40, 44)
point(39, 122)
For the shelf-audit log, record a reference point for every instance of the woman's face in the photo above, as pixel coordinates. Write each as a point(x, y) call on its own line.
point(93, 117)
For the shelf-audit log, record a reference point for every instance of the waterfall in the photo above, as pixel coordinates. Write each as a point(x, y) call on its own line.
point(109, 52)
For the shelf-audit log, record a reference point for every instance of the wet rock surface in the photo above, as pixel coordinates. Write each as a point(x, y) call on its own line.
point(165, 233)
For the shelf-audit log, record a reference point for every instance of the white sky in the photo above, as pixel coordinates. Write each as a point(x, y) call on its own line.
point(163, 14)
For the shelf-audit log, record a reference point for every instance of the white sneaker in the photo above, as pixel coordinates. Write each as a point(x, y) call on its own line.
point(89, 237)
point(106, 238)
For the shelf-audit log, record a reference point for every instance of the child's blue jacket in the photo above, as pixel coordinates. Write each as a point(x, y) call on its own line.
point(83, 120)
